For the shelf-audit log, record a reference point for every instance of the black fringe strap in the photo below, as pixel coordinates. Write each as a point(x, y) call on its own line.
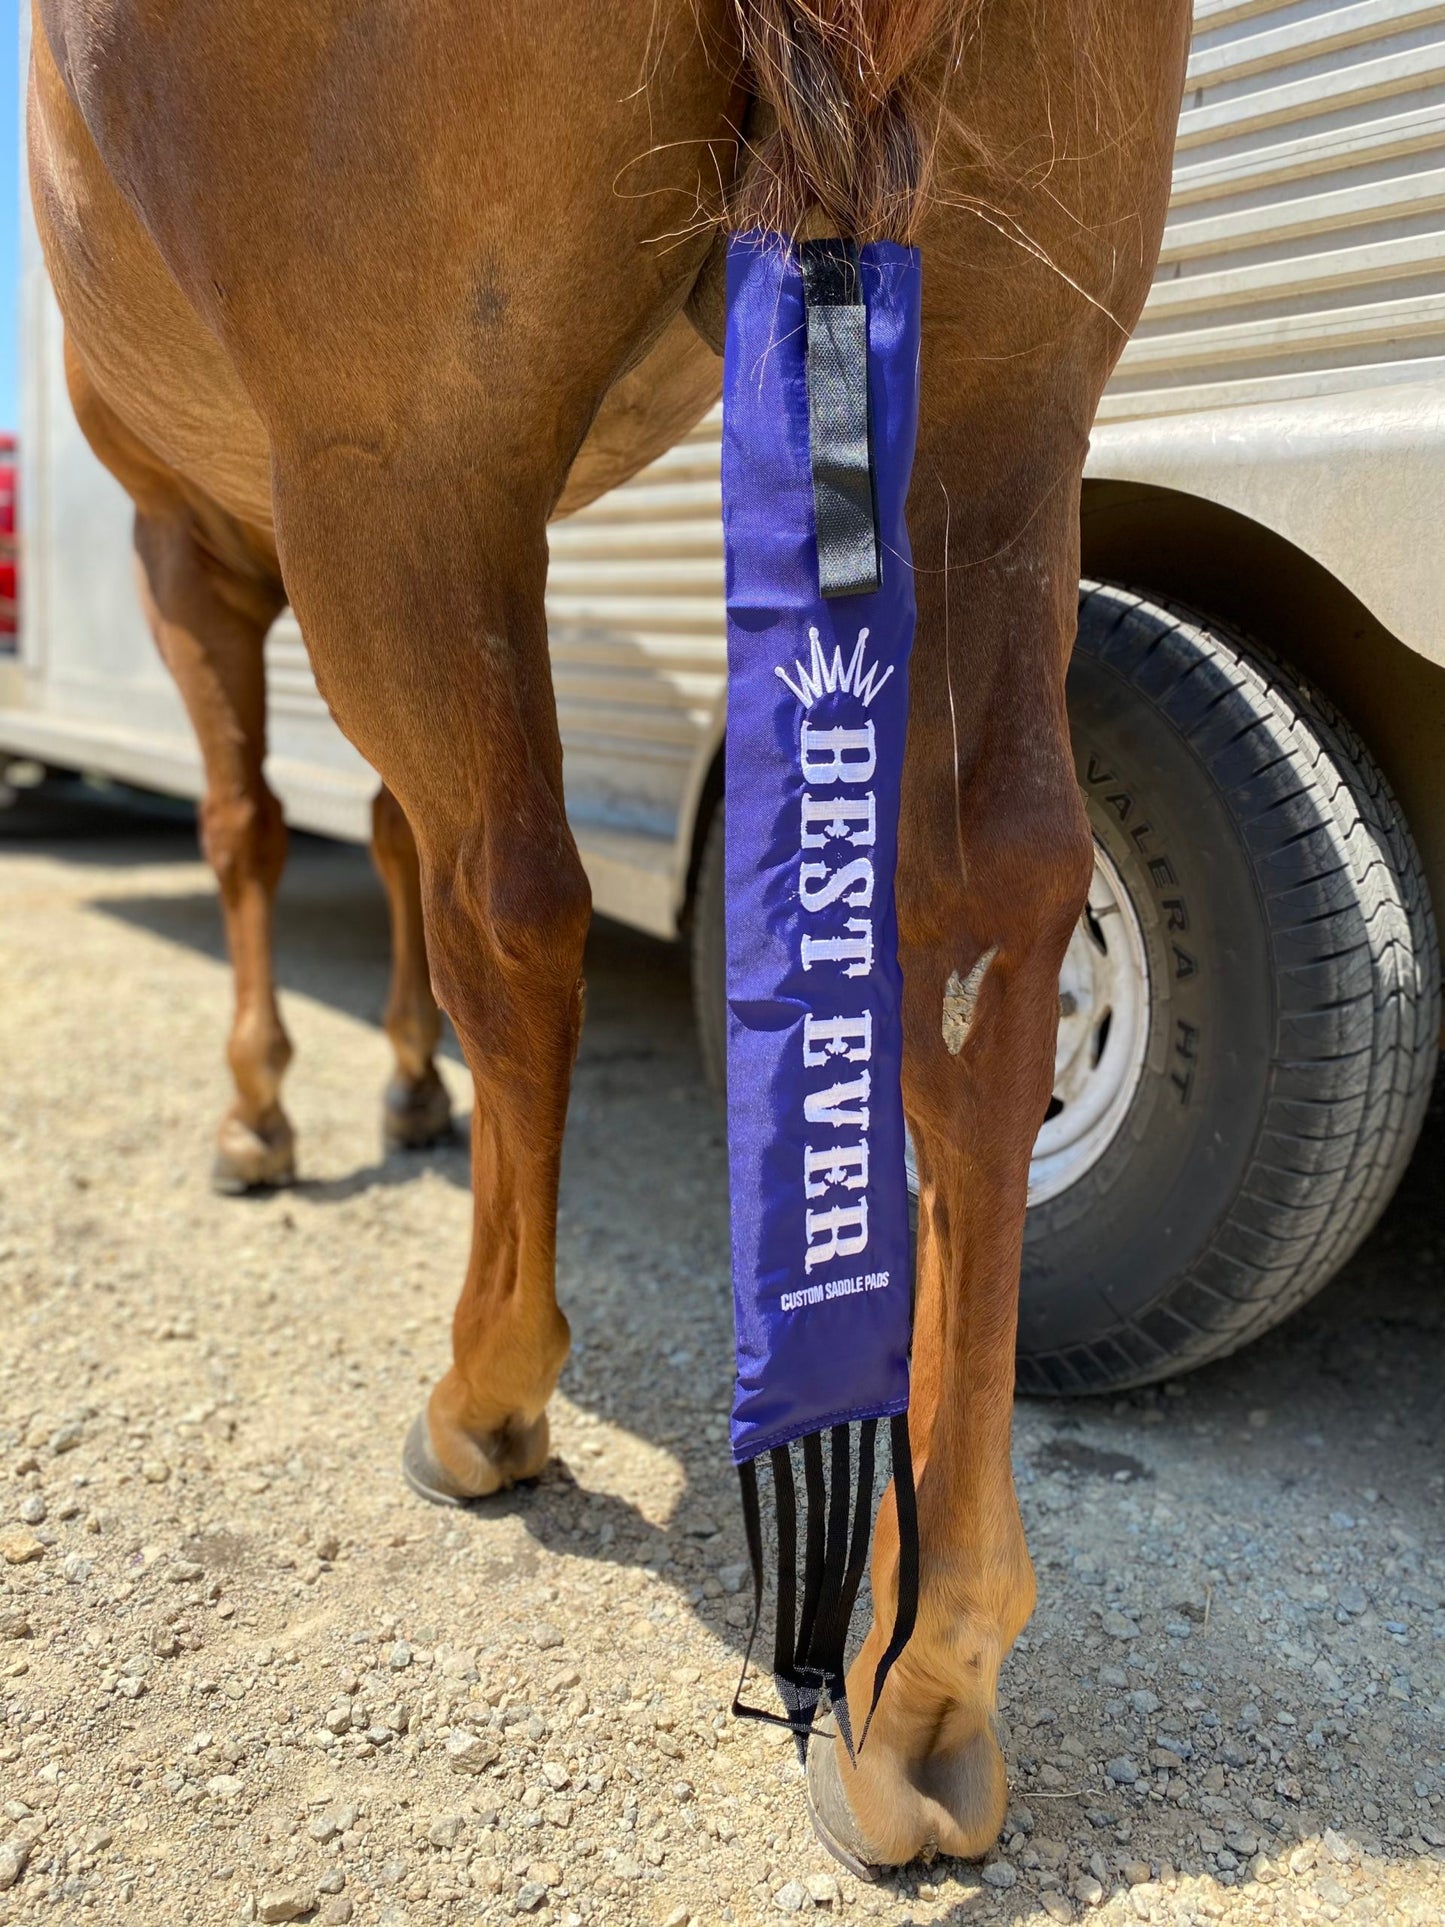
point(810, 1635)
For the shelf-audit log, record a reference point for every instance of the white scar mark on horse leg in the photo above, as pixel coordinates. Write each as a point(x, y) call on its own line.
point(960, 1001)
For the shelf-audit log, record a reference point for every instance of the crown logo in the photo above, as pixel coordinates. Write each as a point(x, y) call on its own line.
point(822, 674)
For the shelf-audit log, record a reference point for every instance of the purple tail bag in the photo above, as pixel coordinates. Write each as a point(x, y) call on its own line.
point(820, 404)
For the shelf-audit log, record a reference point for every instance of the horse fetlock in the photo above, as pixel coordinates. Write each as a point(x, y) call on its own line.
point(254, 1154)
point(258, 1054)
point(416, 1110)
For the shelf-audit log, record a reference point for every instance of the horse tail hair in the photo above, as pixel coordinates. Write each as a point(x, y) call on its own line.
point(854, 118)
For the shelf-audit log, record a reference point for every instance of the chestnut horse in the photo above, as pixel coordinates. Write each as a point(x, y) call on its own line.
point(350, 292)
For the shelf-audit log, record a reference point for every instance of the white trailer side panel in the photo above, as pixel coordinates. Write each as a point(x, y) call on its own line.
point(1290, 365)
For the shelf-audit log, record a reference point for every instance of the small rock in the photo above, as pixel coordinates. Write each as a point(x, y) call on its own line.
point(446, 1830)
point(13, 1855)
point(530, 1896)
point(730, 1578)
point(285, 1903)
point(823, 1890)
point(1001, 1874)
point(399, 1658)
point(1056, 1905)
point(1088, 1891)
point(183, 1571)
point(1122, 1771)
point(33, 1509)
point(469, 1752)
point(556, 1775)
point(65, 1439)
point(14, 1624)
point(224, 1786)
point(337, 1719)
point(1136, 1872)
point(792, 1898)
point(155, 1471)
point(336, 1910)
point(20, 1548)
point(1118, 1625)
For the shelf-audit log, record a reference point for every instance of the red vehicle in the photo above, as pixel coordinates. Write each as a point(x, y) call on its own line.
point(7, 538)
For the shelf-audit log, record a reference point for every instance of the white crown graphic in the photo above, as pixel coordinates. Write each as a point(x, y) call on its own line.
point(850, 677)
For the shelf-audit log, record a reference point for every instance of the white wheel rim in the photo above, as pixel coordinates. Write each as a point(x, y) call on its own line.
point(1103, 1038)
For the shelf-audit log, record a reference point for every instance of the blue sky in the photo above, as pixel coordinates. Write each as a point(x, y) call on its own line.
point(9, 210)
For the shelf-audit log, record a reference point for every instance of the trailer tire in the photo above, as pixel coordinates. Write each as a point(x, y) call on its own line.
point(1284, 1050)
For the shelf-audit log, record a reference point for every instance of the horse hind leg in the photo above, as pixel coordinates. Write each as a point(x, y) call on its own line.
point(210, 621)
point(446, 690)
point(416, 1111)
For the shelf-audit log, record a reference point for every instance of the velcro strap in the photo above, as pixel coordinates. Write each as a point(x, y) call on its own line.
point(839, 447)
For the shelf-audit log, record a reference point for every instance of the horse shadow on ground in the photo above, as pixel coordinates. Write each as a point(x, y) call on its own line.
point(1322, 1434)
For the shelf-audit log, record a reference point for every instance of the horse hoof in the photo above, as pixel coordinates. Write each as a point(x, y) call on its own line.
point(250, 1160)
point(415, 1116)
point(828, 1807)
point(513, 1456)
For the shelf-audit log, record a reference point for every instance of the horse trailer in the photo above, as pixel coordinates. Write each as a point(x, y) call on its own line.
point(1249, 1010)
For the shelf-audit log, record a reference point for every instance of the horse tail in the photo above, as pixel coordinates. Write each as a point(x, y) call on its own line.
point(854, 118)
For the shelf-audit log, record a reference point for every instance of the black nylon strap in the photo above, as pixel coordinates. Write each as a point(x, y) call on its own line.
point(839, 446)
point(785, 1645)
point(906, 1501)
point(753, 1533)
point(818, 1650)
point(815, 1521)
point(814, 1661)
point(783, 1632)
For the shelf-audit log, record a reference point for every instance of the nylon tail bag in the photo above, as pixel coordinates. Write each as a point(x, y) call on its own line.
point(819, 419)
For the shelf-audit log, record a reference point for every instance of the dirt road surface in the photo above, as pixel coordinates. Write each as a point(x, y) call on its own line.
point(245, 1676)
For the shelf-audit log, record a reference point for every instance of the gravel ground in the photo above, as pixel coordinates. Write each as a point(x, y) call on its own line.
point(245, 1676)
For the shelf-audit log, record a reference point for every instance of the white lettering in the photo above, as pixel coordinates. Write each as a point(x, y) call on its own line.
point(825, 816)
point(821, 1107)
point(825, 1037)
point(843, 1228)
point(855, 951)
point(825, 755)
point(844, 1164)
point(856, 878)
